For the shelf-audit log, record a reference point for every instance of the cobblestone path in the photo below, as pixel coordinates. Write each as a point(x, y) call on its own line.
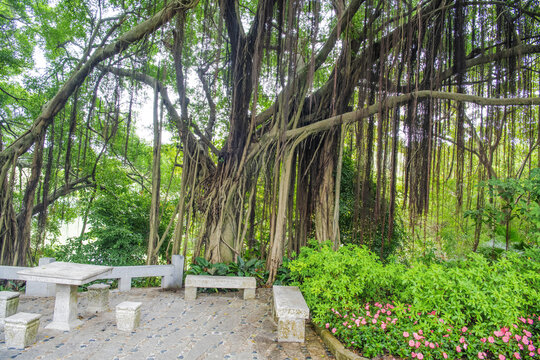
point(215, 326)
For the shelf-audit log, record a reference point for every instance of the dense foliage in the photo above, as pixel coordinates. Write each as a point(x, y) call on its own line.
point(370, 306)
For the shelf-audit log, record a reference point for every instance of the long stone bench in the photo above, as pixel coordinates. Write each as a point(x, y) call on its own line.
point(290, 312)
point(248, 284)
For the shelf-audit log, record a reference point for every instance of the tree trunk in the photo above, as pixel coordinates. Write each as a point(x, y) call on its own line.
point(24, 218)
point(153, 236)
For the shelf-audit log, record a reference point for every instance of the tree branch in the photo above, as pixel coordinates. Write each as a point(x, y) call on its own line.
point(393, 101)
point(49, 110)
point(182, 127)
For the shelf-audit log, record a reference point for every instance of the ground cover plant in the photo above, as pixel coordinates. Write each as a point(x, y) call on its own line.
point(458, 310)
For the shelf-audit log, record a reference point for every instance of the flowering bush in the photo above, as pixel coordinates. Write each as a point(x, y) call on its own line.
point(342, 278)
point(470, 309)
point(395, 329)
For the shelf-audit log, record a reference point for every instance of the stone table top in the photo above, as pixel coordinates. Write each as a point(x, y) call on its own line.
point(64, 273)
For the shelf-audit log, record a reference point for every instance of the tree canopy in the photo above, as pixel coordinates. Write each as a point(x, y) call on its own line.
point(335, 120)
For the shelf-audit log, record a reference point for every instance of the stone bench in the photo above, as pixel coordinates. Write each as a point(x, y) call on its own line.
point(21, 329)
point(9, 302)
point(128, 315)
point(248, 284)
point(290, 312)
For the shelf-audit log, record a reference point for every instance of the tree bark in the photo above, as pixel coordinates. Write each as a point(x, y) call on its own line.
point(153, 236)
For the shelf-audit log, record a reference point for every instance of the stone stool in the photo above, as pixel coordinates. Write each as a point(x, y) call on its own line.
point(98, 297)
point(21, 329)
point(128, 315)
point(9, 302)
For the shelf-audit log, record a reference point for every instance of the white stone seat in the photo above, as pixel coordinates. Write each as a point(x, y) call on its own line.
point(128, 315)
point(98, 297)
point(9, 302)
point(248, 284)
point(21, 329)
point(290, 311)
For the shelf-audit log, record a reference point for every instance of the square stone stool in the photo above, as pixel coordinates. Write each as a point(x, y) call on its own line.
point(21, 329)
point(9, 302)
point(128, 315)
point(98, 297)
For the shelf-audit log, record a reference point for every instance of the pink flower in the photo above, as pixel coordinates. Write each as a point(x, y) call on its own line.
point(531, 354)
point(522, 319)
point(363, 322)
point(327, 325)
point(505, 339)
point(483, 340)
point(527, 333)
point(444, 355)
point(411, 343)
point(525, 340)
point(498, 333)
point(334, 330)
point(458, 349)
point(462, 339)
point(518, 337)
point(502, 357)
point(417, 345)
point(405, 334)
point(420, 356)
point(517, 356)
point(480, 355)
point(463, 329)
point(530, 321)
point(383, 326)
point(531, 347)
point(374, 321)
point(413, 354)
point(491, 339)
point(432, 345)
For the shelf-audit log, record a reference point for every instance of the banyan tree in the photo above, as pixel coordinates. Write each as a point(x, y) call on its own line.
point(265, 96)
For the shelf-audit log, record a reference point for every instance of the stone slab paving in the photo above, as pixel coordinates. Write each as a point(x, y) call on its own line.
point(215, 326)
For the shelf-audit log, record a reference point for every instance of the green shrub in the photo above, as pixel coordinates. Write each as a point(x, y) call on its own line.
point(343, 278)
point(252, 268)
point(346, 290)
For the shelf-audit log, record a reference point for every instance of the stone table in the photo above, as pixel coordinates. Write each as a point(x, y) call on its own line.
point(67, 277)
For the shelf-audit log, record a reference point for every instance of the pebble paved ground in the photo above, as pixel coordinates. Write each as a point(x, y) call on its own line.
point(215, 326)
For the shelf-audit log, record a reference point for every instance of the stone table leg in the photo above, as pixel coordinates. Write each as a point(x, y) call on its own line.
point(65, 309)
